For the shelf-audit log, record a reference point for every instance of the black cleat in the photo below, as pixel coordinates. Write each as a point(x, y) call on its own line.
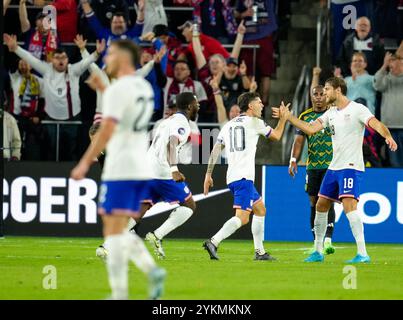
point(265, 256)
point(211, 249)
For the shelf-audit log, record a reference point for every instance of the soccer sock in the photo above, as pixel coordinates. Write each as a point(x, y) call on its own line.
point(330, 223)
point(117, 266)
point(227, 229)
point(178, 217)
point(258, 233)
point(313, 214)
point(357, 227)
point(138, 252)
point(131, 224)
point(320, 230)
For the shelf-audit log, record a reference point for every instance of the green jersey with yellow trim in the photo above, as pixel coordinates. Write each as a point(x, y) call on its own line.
point(320, 150)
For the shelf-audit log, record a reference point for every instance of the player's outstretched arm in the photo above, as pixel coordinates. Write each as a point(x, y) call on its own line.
point(208, 180)
point(308, 128)
point(97, 145)
point(379, 127)
point(284, 114)
point(296, 150)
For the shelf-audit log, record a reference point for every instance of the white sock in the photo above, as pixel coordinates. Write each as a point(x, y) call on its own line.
point(138, 252)
point(177, 217)
point(258, 233)
point(328, 240)
point(227, 229)
point(131, 224)
point(117, 265)
point(357, 227)
point(320, 226)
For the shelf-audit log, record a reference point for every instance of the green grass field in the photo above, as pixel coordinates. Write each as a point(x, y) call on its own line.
point(191, 274)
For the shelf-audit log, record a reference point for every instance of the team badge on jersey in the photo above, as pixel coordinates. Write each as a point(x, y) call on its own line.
point(181, 131)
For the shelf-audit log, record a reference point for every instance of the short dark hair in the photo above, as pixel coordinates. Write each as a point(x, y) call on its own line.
point(184, 99)
point(245, 98)
point(360, 54)
point(130, 47)
point(181, 61)
point(119, 14)
point(337, 82)
point(160, 30)
point(319, 86)
point(59, 51)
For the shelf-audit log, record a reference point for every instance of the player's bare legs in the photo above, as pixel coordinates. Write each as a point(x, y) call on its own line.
point(357, 228)
point(258, 221)
point(177, 217)
point(124, 246)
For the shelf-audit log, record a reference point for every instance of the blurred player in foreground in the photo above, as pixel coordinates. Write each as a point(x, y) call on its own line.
point(239, 137)
point(127, 109)
point(346, 121)
point(320, 153)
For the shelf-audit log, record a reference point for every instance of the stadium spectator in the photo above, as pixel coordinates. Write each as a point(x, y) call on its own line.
point(339, 29)
point(210, 45)
point(214, 67)
point(11, 138)
point(390, 83)
point(118, 27)
point(40, 41)
point(182, 82)
point(365, 41)
point(234, 81)
point(103, 10)
point(260, 22)
point(27, 107)
point(215, 18)
point(156, 77)
point(67, 17)
point(61, 91)
point(172, 43)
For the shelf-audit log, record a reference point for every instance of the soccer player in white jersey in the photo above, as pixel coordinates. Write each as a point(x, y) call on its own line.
point(239, 137)
point(346, 121)
point(128, 106)
point(168, 182)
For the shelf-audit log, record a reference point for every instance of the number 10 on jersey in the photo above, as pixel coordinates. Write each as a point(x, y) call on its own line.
point(237, 138)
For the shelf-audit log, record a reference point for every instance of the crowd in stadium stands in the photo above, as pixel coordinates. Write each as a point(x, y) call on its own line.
point(46, 78)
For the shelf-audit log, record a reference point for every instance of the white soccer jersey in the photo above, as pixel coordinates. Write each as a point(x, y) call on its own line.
point(347, 127)
point(130, 101)
point(240, 137)
point(176, 125)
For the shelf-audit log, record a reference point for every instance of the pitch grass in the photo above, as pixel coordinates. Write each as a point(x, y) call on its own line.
point(192, 275)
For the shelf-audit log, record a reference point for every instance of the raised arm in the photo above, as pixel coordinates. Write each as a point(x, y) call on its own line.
point(380, 79)
point(24, 21)
point(6, 3)
point(296, 150)
point(215, 154)
point(80, 67)
point(384, 132)
point(100, 31)
point(238, 41)
point(197, 49)
point(11, 42)
point(221, 112)
point(315, 77)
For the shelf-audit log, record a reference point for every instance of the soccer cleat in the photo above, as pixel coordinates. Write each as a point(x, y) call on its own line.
point(266, 256)
point(359, 259)
point(101, 253)
point(157, 244)
point(315, 257)
point(329, 249)
point(211, 249)
point(156, 283)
